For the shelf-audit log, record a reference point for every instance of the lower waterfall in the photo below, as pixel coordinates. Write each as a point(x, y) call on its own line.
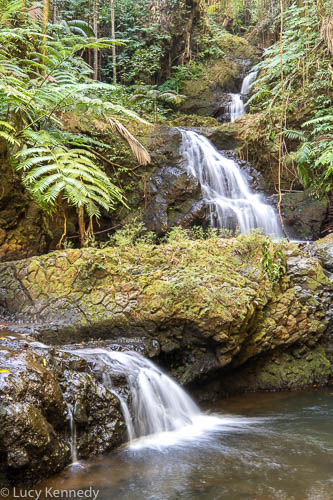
point(158, 406)
point(225, 188)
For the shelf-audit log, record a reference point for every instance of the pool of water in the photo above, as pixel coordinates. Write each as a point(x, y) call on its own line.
point(262, 447)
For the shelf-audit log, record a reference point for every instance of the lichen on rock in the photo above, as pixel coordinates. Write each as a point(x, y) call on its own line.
point(187, 295)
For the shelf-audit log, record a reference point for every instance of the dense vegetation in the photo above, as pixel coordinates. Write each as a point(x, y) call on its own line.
point(125, 62)
point(296, 102)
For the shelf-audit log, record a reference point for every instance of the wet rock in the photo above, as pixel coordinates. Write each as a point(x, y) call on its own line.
point(223, 136)
point(303, 216)
point(286, 370)
point(36, 387)
point(175, 197)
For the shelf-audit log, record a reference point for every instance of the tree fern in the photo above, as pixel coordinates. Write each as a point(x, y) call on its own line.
point(52, 170)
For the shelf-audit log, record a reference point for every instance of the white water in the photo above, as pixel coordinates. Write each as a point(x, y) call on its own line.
point(160, 408)
point(247, 82)
point(236, 107)
point(225, 188)
point(72, 428)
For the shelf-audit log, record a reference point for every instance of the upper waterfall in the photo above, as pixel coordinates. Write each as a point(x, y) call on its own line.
point(226, 189)
point(248, 81)
point(236, 107)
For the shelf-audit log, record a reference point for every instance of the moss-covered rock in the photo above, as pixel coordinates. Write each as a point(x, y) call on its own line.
point(192, 297)
point(298, 367)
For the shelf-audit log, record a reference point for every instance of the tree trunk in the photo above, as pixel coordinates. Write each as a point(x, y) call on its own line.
point(95, 28)
point(113, 36)
point(46, 11)
point(82, 226)
point(54, 11)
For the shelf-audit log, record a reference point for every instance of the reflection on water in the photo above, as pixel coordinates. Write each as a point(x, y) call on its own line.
point(265, 447)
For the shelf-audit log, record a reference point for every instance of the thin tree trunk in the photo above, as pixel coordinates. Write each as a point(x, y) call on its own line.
point(89, 24)
point(95, 28)
point(282, 118)
point(46, 11)
point(82, 226)
point(54, 11)
point(113, 36)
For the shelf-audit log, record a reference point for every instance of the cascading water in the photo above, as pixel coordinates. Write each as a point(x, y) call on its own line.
point(225, 188)
point(236, 108)
point(159, 406)
point(72, 428)
point(247, 82)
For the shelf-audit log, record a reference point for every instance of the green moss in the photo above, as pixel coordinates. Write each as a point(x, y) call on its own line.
point(183, 293)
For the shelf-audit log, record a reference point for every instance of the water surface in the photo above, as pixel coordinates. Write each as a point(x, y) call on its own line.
point(263, 447)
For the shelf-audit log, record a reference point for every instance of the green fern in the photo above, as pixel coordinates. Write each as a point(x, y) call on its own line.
point(52, 171)
point(6, 134)
point(295, 135)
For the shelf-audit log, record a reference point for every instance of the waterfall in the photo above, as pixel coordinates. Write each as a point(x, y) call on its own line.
point(236, 107)
point(247, 82)
point(72, 428)
point(226, 189)
point(158, 404)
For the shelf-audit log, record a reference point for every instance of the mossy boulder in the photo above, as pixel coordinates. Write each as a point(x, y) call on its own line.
point(323, 250)
point(209, 304)
point(297, 367)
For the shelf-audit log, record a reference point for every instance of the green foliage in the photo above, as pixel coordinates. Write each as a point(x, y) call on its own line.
point(273, 263)
point(41, 77)
point(7, 133)
point(150, 99)
point(307, 88)
point(51, 170)
point(134, 233)
point(78, 27)
point(181, 74)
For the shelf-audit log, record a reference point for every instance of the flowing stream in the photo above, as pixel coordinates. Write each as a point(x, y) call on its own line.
point(273, 446)
point(225, 188)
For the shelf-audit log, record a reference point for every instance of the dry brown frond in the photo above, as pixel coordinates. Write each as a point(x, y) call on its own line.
point(138, 149)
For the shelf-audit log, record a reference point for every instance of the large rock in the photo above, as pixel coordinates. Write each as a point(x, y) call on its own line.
point(323, 250)
point(38, 389)
point(175, 197)
point(23, 226)
point(207, 304)
point(303, 215)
